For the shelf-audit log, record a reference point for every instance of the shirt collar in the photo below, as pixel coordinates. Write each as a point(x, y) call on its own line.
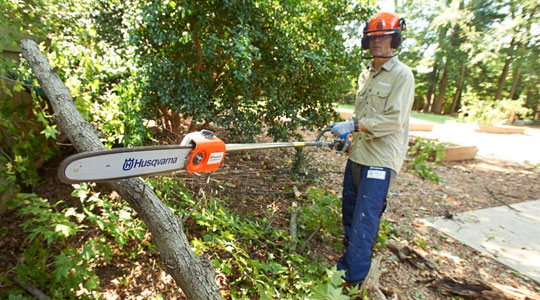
point(389, 65)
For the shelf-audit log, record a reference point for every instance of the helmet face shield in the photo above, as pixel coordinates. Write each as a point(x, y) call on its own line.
point(379, 33)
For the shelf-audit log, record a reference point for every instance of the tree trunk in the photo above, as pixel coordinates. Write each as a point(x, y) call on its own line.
point(192, 273)
point(457, 96)
point(530, 102)
point(437, 106)
point(428, 98)
point(523, 48)
point(515, 82)
point(504, 73)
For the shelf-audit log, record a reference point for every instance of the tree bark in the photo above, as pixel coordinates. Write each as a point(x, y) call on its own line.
point(457, 96)
point(428, 99)
point(523, 49)
point(504, 73)
point(437, 106)
point(194, 275)
point(515, 82)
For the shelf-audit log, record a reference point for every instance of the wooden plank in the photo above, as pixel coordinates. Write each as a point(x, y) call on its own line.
point(455, 153)
point(345, 114)
point(420, 127)
point(500, 129)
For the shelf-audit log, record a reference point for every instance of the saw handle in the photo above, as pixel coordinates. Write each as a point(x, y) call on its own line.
point(341, 144)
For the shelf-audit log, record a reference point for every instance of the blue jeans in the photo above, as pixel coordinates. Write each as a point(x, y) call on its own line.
point(364, 199)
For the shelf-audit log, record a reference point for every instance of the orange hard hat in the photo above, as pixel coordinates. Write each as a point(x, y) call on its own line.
point(383, 23)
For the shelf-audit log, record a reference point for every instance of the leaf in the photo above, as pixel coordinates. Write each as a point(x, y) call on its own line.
point(50, 131)
point(18, 88)
point(64, 230)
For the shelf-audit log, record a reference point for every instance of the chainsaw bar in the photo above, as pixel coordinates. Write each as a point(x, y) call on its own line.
point(123, 163)
point(199, 152)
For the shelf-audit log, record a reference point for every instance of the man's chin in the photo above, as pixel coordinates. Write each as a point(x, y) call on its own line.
point(380, 54)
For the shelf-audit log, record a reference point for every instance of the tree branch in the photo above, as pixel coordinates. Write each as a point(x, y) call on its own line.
point(30, 289)
point(193, 274)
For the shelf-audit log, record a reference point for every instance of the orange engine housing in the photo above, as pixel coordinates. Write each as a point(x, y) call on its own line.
point(208, 153)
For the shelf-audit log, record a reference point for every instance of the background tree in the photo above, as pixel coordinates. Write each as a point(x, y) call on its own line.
point(473, 47)
point(244, 65)
point(239, 64)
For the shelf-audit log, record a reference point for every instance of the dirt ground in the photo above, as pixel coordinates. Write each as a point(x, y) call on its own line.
point(450, 267)
point(418, 263)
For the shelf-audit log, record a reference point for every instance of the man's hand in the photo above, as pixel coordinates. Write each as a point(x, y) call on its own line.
point(342, 128)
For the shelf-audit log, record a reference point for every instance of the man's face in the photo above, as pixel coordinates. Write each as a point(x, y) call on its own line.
point(380, 45)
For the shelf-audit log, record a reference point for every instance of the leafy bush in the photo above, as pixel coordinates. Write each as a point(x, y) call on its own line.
point(321, 212)
point(243, 65)
point(256, 259)
point(28, 135)
point(62, 252)
point(386, 230)
point(504, 111)
point(422, 151)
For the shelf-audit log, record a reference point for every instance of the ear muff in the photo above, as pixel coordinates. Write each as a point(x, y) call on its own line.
point(396, 39)
point(365, 41)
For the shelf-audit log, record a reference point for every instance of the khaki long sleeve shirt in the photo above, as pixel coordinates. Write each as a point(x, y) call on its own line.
point(383, 103)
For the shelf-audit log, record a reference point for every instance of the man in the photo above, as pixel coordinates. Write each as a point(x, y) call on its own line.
point(380, 129)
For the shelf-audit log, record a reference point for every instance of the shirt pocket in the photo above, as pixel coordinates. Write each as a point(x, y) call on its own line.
point(377, 99)
point(360, 104)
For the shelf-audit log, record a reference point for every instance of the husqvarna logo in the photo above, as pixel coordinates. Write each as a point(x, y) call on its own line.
point(128, 164)
point(132, 163)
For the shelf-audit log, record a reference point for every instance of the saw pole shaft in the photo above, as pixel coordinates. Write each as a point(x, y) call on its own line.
point(261, 146)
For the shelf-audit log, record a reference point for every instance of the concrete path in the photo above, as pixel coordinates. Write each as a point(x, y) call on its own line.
point(520, 148)
point(508, 234)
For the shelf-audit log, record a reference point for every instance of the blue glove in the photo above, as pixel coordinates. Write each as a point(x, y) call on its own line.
point(342, 128)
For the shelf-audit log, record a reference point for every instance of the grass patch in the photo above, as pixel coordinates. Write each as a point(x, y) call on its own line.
point(439, 119)
point(433, 118)
point(345, 106)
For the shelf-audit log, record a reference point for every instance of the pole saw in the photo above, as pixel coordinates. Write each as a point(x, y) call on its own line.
point(198, 152)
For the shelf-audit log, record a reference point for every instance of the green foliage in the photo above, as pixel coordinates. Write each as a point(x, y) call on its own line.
point(62, 250)
point(493, 41)
point(92, 70)
point(385, 231)
point(422, 151)
point(254, 257)
point(533, 166)
point(321, 212)
point(48, 228)
point(331, 288)
point(26, 142)
point(99, 86)
point(244, 65)
point(498, 112)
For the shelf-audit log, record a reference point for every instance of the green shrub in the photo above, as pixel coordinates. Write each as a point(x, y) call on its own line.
point(235, 66)
point(255, 257)
point(61, 252)
point(422, 151)
point(27, 137)
point(504, 111)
